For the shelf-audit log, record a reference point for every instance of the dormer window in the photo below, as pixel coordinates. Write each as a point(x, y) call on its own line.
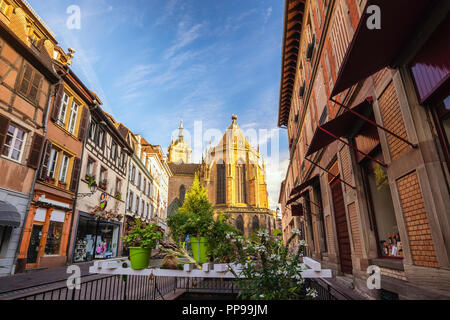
point(4, 7)
point(34, 39)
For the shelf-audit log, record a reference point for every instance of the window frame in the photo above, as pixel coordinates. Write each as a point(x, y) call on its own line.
point(66, 168)
point(61, 121)
point(72, 124)
point(11, 147)
point(53, 162)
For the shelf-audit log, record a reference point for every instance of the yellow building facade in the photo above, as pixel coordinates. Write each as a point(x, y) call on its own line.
point(233, 172)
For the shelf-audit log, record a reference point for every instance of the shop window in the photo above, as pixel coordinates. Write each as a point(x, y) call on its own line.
point(30, 82)
point(95, 239)
point(14, 143)
point(381, 208)
point(55, 231)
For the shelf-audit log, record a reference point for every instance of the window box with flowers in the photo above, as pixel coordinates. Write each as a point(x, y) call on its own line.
point(62, 184)
point(50, 180)
point(103, 185)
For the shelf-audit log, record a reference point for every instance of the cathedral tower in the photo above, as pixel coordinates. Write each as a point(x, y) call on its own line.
point(180, 150)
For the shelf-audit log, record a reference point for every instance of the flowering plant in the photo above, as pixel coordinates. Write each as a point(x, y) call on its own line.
point(269, 271)
point(143, 235)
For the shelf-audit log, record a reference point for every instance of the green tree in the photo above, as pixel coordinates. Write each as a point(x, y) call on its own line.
point(195, 217)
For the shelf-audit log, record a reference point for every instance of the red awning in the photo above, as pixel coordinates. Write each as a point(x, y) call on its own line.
point(372, 50)
point(297, 210)
point(304, 185)
point(344, 125)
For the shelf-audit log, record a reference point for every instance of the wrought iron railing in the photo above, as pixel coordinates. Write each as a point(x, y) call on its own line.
point(157, 288)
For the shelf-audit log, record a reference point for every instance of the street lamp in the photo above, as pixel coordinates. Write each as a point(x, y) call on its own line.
point(93, 188)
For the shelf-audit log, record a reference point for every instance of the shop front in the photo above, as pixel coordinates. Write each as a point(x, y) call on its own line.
point(46, 234)
point(96, 238)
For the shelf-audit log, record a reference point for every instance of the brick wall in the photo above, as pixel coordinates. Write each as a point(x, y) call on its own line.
point(330, 234)
point(354, 224)
point(416, 221)
point(346, 167)
point(393, 273)
point(392, 120)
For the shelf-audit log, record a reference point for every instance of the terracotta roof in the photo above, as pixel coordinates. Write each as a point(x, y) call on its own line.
point(185, 168)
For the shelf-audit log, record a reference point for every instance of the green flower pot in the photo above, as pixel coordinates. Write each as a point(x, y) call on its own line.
point(140, 257)
point(199, 249)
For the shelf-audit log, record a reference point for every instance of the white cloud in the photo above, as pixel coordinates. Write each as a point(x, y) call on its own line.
point(185, 36)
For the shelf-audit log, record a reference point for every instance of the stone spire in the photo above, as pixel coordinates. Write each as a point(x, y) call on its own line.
point(180, 133)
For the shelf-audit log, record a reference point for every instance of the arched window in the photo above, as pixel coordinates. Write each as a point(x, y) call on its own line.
point(182, 193)
point(240, 184)
point(255, 224)
point(240, 223)
point(269, 226)
point(221, 184)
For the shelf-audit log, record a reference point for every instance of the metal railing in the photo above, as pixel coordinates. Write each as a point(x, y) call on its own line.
point(144, 288)
point(110, 288)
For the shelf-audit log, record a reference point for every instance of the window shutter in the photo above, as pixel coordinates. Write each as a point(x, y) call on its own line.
point(35, 85)
point(45, 160)
point(57, 102)
point(4, 125)
point(26, 79)
point(75, 174)
point(83, 124)
point(35, 152)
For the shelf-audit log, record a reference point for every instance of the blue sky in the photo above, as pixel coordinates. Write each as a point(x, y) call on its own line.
point(153, 61)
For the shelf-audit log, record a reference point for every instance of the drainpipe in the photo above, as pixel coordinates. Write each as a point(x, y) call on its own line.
point(30, 196)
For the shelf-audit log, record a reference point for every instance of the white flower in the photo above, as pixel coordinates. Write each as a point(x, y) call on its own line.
point(261, 296)
point(296, 231)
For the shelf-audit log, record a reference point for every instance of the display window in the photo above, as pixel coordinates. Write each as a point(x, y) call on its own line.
point(381, 208)
point(96, 240)
point(55, 231)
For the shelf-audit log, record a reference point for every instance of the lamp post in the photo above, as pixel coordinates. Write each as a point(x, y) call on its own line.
point(93, 187)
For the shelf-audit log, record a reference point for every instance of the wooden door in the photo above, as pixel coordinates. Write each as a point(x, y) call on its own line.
point(343, 238)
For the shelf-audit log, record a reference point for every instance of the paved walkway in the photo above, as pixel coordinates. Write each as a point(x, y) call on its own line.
point(29, 281)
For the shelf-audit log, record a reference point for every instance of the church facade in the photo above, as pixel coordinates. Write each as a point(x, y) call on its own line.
point(233, 172)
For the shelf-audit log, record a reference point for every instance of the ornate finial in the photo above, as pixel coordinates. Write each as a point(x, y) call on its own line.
point(180, 134)
point(234, 117)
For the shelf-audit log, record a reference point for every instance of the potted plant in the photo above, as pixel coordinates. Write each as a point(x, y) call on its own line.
point(103, 184)
point(195, 219)
point(118, 196)
point(140, 242)
point(62, 184)
point(268, 270)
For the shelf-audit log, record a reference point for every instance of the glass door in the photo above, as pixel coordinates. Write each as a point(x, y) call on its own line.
point(35, 240)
